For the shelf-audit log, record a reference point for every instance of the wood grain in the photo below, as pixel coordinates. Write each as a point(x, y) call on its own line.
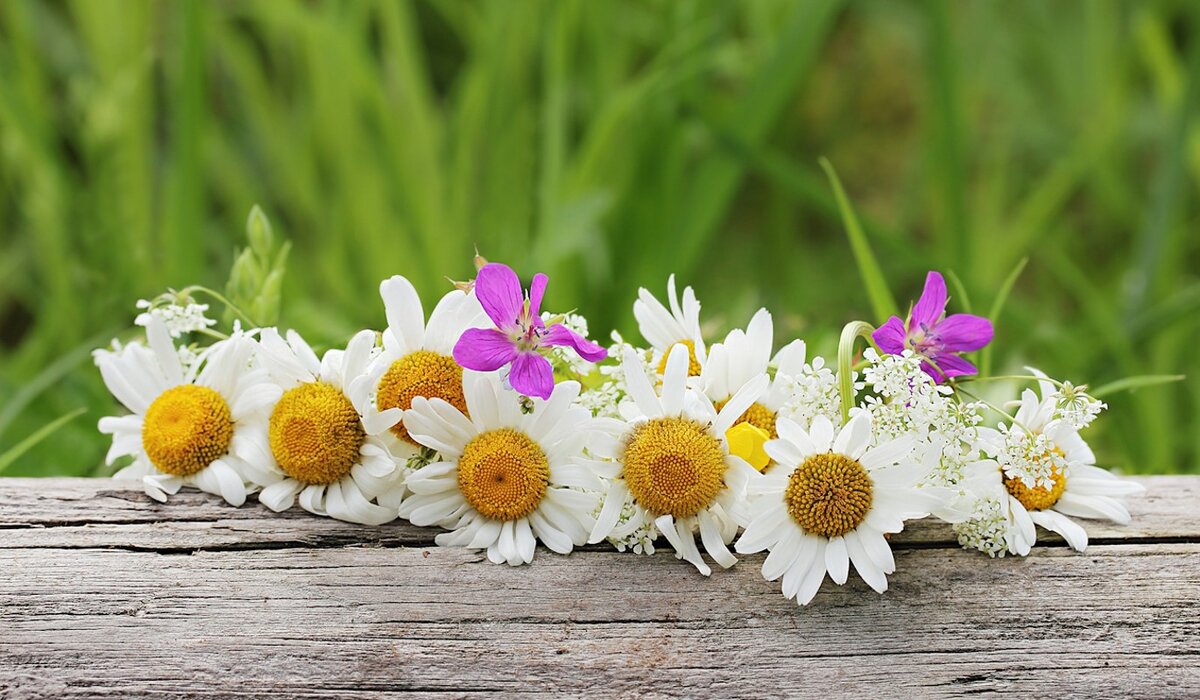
point(104, 593)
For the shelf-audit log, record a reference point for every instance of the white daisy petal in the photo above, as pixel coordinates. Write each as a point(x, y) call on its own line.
point(837, 561)
point(710, 536)
point(863, 564)
point(1072, 533)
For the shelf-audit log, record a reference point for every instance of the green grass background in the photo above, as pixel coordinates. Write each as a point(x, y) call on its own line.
point(608, 144)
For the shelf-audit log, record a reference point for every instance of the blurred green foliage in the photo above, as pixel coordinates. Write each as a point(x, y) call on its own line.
point(608, 144)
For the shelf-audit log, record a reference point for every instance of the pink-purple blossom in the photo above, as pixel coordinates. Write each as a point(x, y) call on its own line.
point(933, 336)
point(520, 337)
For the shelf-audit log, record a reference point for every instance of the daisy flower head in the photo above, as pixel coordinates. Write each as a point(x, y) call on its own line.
point(674, 465)
point(325, 443)
point(664, 327)
point(832, 499)
point(187, 426)
point(1050, 473)
point(507, 476)
point(739, 360)
point(418, 356)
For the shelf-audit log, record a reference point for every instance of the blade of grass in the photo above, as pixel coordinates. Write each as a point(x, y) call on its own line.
point(1134, 383)
point(717, 181)
point(985, 356)
point(883, 305)
point(15, 452)
point(960, 291)
point(953, 231)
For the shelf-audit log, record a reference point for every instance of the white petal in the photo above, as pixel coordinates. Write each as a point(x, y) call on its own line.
point(525, 541)
point(710, 536)
point(854, 437)
point(837, 561)
point(863, 564)
point(814, 576)
point(405, 315)
point(821, 433)
point(1071, 532)
point(638, 386)
point(765, 530)
point(280, 495)
point(742, 400)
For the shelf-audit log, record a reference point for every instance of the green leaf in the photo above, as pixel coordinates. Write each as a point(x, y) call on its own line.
point(960, 291)
point(258, 231)
point(1138, 382)
point(882, 302)
point(994, 313)
point(14, 453)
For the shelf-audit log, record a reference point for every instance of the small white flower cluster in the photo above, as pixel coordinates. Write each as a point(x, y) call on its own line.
point(1074, 405)
point(906, 400)
point(604, 398)
point(1031, 457)
point(812, 392)
point(179, 318)
point(633, 532)
point(986, 530)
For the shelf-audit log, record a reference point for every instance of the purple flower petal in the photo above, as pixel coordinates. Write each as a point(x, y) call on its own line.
point(948, 366)
point(484, 349)
point(532, 375)
point(499, 291)
point(537, 289)
point(931, 305)
point(964, 332)
point(558, 334)
point(890, 336)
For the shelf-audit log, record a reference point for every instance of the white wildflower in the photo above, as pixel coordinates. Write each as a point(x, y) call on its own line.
point(1074, 405)
point(813, 391)
point(1031, 457)
point(178, 318)
point(987, 528)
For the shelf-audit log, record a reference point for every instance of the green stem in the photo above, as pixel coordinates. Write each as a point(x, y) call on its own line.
point(222, 299)
point(850, 333)
point(1019, 377)
point(1011, 418)
point(212, 334)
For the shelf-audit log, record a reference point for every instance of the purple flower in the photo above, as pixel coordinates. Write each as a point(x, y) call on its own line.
point(520, 335)
point(935, 336)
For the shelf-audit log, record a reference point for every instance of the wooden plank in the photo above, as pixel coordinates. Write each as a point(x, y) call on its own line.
point(105, 593)
point(107, 513)
point(345, 621)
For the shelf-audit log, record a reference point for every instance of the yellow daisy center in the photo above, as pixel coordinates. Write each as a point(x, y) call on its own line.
point(315, 433)
point(1040, 497)
point(186, 428)
point(503, 474)
point(421, 373)
point(673, 466)
point(829, 494)
point(693, 364)
point(757, 415)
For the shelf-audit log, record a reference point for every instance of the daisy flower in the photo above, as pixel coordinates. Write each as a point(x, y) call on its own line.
point(507, 476)
point(417, 357)
point(673, 462)
point(740, 359)
point(1050, 473)
point(324, 442)
point(665, 328)
point(830, 501)
point(187, 426)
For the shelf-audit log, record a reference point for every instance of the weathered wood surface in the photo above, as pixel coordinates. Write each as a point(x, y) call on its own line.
point(104, 593)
